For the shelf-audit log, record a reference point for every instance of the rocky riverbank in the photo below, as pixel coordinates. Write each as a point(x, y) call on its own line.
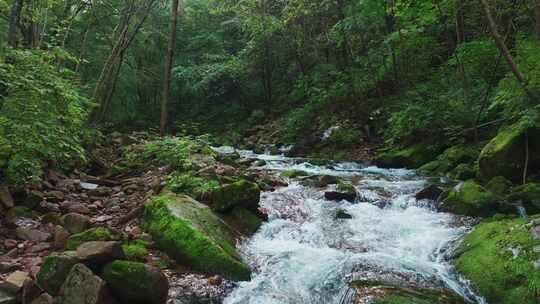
point(112, 226)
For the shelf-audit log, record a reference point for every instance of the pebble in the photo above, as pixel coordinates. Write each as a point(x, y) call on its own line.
point(10, 244)
point(535, 232)
point(15, 281)
point(88, 186)
point(6, 267)
point(32, 234)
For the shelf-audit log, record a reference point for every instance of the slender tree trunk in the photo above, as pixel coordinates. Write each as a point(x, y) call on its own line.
point(537, 17)
point(168, 68)
point(14, 22)
point(106, 84)
point(499, 40)
point(460, 24)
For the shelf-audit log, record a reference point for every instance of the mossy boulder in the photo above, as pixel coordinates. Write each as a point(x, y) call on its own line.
point(82, 286)
point(294, 173)
point(320, 181)
point(136, 250)
point(501, 259)
point(409, 157)
point(433, 167)
point(138, 283)
point(499, 185)
point(91, 235)
point(463, 172)
point(54, 271)
point(418, 298)
point(459, 154)
point(18, 212)
point(470, 198)
point(242, 220)
point(528, 194)
point(343, 191)
point(505, 154)
point(342, 214)
point(241, 193)
point(455, 160)
point(192, 234)
point(381, 293)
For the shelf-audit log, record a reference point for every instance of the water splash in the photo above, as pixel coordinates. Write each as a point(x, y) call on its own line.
point(521, 211)
point(304, 255)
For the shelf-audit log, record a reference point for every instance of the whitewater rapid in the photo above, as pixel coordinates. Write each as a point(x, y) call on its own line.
point(303, 254)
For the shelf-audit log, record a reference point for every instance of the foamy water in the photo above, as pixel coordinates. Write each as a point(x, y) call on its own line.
point(303, 254)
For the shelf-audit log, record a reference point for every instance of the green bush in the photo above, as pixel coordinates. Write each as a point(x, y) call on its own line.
point(345, 136)
point(175, 151)
point(256, 117)
point(42, 115)
point(191, 185)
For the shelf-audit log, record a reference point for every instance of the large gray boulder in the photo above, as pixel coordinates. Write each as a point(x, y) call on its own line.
point(192, 234)
point(99, 252)
point(137, 283)
point(82, 286)
point(55, 270)
point(505, 154)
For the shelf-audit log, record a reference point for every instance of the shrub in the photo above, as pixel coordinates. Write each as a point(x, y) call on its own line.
point(191, 185)
point(43, 115)
point(175, 151)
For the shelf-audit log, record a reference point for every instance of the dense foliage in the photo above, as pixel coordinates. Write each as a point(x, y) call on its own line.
point(400, 68)
point(42, 115)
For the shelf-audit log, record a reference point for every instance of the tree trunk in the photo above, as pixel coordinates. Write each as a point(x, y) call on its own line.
point(537, 17)
point(499, 41)
point(106, 84)
point(460, 24)
point(168, 68)
point(14, 22)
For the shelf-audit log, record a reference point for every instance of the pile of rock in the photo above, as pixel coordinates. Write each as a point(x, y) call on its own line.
point(94, 273)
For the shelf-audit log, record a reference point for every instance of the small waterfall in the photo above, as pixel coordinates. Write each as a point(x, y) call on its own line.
point(328, 132)
point(521, 211)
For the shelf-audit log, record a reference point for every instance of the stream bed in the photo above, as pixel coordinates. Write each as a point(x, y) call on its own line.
point(304, 254)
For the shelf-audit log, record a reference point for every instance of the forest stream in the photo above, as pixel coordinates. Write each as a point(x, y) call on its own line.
point(306, 254)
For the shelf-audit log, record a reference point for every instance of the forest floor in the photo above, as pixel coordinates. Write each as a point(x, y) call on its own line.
point(89, 198)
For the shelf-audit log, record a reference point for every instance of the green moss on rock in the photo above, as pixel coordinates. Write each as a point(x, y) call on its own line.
point(381, 293)
point(20, 212)
point(136, 250)
point(504, 155)
point(463, 172)
point(528, 194)
point(345, 187)
point(469, 198)
point(294, 173)
point(242, 220)
point(192, 234)
point(455, 160)
point(409, 157)
point(499, 185)
point(433, 167)
point(191, 185)
point(460, 154)
point(90, 235)
point(242, 193)
point(54, 271)
point(415, 299)
point(133, 282)
point(500, 258)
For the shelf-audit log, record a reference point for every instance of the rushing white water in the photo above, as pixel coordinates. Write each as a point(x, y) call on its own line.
point(303, 254)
